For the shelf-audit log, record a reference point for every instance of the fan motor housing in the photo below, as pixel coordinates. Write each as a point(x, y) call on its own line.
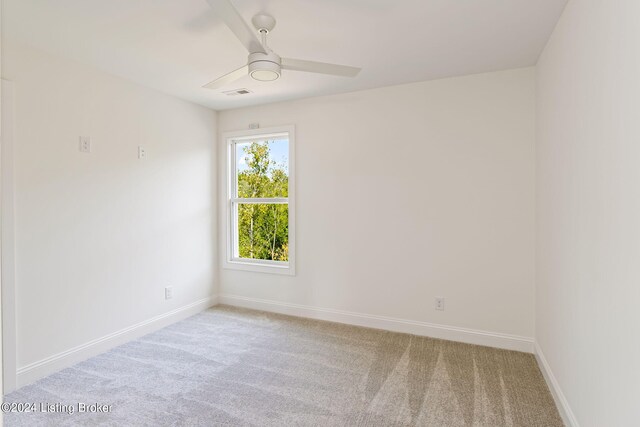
point(264, 66)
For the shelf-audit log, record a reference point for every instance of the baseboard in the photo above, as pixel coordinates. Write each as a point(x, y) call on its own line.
point(34, 371)
point(470, 336)
point(561, 401)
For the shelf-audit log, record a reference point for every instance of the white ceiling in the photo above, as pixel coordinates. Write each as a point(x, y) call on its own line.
point(176, 46)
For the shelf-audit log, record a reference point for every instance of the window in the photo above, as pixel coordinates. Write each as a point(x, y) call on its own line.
point(260, 209)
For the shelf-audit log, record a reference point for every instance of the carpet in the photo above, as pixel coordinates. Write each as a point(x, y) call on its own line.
point(237, 367)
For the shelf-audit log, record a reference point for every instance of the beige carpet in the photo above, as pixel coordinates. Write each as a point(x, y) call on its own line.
point(230, 366)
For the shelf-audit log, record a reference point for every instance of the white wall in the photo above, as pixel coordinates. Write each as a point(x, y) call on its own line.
point(99, 235)
point(406, 193)
point(588, 203)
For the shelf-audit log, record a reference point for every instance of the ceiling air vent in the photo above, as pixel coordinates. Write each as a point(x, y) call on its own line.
point(237, 92)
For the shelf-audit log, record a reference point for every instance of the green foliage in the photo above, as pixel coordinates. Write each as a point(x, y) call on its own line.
point(263, 229)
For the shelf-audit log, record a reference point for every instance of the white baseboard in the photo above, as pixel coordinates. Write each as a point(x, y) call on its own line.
point(470, 336)
point(34, 371)
point(561, 401)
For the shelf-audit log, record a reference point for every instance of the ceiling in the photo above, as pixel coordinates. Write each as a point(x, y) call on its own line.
point(176, 46)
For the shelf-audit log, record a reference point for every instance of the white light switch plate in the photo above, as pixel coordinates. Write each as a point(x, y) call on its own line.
point(85, 144)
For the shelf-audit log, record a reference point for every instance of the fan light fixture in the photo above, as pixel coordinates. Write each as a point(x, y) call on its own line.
point(264, 75)
point(264, 68)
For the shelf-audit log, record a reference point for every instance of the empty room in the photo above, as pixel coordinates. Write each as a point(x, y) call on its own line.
point(320, 213)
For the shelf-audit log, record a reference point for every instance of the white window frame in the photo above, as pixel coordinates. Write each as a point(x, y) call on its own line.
point(256, 265)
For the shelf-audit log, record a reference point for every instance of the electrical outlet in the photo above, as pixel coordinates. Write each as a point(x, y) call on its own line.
point(440, 303)
point(168, 292)
point(254, 125)
point(142, 152)
point(85, 144)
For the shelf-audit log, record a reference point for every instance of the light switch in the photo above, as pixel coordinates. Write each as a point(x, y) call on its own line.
point(85, 144)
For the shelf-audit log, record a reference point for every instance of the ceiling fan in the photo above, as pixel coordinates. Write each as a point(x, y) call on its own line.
point(264, 64)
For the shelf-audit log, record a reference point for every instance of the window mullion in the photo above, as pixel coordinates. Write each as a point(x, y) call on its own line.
point(265, 200)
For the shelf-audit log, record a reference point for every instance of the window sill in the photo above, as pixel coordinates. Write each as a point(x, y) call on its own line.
point(260, 267)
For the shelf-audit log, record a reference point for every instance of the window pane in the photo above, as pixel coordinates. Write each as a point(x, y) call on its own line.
point(263, 231)
point(263, 168)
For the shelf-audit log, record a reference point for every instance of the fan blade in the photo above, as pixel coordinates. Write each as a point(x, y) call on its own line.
point(225, 10)
point(228, 78)
point(319, 67)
